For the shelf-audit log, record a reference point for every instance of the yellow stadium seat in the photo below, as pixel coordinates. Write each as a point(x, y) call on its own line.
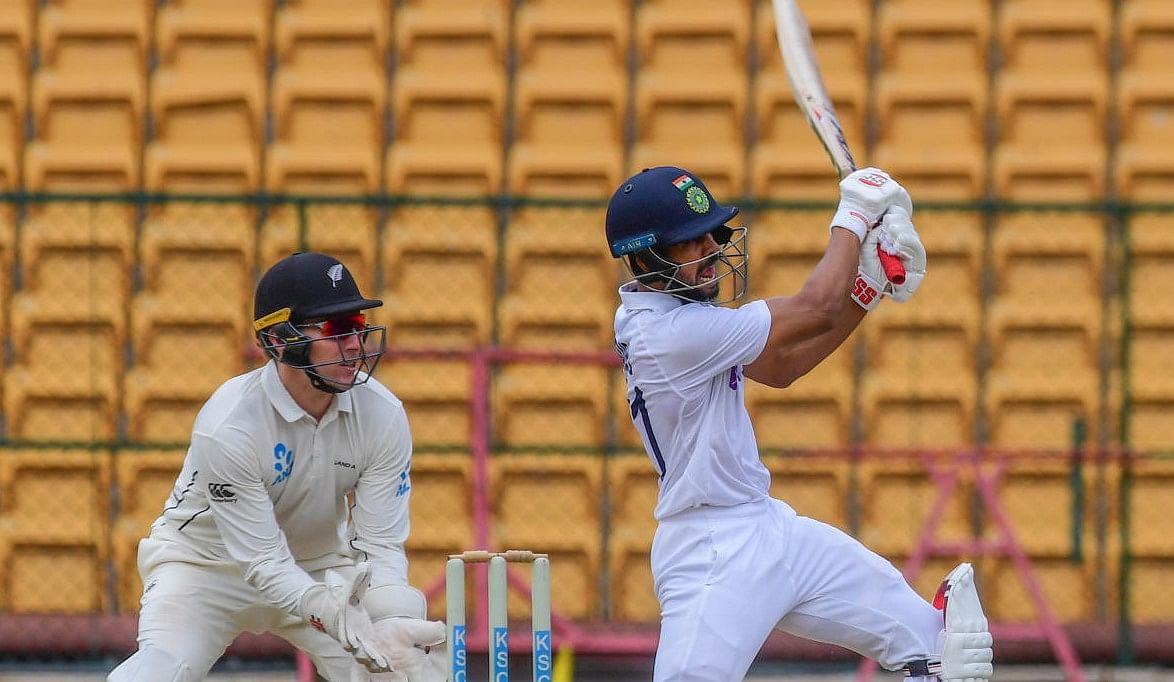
point(89, 94)
point(1151, 388)
point(422, 20)
point(328, 94)
point(178, 368)
point(145, 480)
point(414, 319)
point(442, 519)
point(208, 117)
point(17, 22)
point(61, 20)
point(345, 231)
point(442, 514)
point(1069, 589)
point(1151, 317)
point(211, 26)
point(558, 302)
point(44, 546)
point(551, 503)
point(896, 495)
point(556, 232)
point(1052, 89)
point(954, 242)
point(633, 487)
point(1044, 373)
point(1092, 17)
point(1145, 94)
point(691, 84)
point(815, 486)
point(931, 94)
point(61, 495)
point(787, 160)
point(571, 98)
point(813, 412)
point(195, 287)
point(1149, 508)
point(543, 404)
point(94, 140)
point(1032, 261)
point(176, 228)
point(436, 394)
point(366, 21)
point(1037, 496)
point(1151, 256)
point(921, 385)
point(75, 258)
point(448, 95)
point(7, 244)
point(44, 401)
point(15, 39)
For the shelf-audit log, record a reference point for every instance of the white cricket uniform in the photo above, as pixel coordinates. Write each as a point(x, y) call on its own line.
point(729, 562)
point(259, 513)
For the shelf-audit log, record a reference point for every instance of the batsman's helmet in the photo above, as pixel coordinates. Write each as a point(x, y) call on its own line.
point(667, 205)
point(316, 290)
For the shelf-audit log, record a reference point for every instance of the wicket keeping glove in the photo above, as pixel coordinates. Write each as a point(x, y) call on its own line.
point(414, 645)
point(335, 607)
point(865, 195)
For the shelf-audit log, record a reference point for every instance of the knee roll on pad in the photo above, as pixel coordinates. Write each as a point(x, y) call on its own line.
point(152, 664)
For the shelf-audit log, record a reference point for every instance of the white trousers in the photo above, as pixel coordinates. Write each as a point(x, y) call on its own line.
point(727, 576)
point(194, 612)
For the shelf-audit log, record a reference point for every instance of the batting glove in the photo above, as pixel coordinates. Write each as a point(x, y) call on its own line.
point(335, 608)
point(897, 237)
point(865, 195)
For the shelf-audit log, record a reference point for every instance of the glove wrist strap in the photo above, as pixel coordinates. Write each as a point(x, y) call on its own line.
point(852, 220)
point(866, 291)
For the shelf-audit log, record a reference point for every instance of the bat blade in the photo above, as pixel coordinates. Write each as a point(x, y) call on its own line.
point(811, 95)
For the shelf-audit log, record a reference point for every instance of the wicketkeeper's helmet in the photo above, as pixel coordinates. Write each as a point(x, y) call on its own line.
point(315, 290)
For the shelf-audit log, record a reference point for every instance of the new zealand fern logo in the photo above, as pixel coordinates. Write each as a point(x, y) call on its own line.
point(335, 274)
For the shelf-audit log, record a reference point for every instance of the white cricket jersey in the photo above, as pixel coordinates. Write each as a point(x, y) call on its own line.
point(263, 486)
point(684, 368)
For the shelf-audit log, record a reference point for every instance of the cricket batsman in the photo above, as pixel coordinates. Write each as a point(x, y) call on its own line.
point(729, 563)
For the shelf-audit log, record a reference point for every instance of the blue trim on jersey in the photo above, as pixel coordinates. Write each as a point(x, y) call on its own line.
point(639, 406)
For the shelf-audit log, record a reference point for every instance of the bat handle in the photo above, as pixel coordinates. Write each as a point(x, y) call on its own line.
point(894, 269)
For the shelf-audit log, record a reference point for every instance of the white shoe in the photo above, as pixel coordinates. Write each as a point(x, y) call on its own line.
point(966, 647)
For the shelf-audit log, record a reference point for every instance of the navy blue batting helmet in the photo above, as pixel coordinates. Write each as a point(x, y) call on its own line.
point(661, 206)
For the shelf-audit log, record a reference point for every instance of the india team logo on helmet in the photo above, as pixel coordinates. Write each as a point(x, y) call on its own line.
point(697, 200)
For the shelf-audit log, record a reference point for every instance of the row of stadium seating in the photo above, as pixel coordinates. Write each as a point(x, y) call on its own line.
point(561, 97)
point(1015, 334)
point(74, 518)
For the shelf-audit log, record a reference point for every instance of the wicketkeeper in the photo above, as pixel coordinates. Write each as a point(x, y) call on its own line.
point(258, 534)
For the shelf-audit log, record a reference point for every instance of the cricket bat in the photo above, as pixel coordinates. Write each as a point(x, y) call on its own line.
point(811, 95)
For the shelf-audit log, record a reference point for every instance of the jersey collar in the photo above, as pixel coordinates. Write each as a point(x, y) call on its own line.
point(284, 403)
point(634, 298)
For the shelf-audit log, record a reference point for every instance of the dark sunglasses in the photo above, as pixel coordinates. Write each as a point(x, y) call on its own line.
point(337, 326)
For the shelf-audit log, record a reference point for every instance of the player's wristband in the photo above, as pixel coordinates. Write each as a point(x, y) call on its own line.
point(852, 220)
point(865, 291)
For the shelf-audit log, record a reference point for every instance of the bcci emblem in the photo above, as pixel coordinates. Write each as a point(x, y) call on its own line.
point(697, 200)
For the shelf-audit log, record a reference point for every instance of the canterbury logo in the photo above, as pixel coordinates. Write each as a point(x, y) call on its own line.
point(221, 492)
point(316, 623)
point(335, 274)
